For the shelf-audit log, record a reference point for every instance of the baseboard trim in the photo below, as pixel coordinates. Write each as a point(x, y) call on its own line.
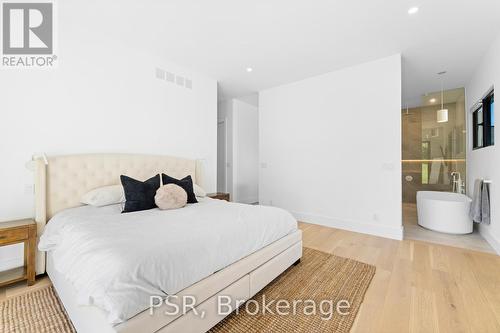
point(494, 243)
point(364, 228)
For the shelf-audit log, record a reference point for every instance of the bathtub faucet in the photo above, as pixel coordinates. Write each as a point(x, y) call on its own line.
point(458, 184)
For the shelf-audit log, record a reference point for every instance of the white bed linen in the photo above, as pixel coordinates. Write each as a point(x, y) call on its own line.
point(116, 261)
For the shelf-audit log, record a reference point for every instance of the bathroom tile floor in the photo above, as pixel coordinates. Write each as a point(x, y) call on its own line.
point(412, 230)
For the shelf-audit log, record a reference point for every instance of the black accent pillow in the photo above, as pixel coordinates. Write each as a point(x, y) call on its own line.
point(139, 195)
point(186, 183)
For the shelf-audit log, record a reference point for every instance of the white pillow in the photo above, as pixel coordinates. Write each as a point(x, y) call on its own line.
point(104, 196)
point(199, 191)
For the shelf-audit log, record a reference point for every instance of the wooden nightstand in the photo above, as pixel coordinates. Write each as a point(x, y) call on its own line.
point(219, 195)
point(21, 231)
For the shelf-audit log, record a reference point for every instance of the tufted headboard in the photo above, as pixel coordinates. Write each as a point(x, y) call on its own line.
point(61, 183)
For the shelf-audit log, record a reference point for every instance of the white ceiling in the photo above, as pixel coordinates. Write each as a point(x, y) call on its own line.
point(288, 40)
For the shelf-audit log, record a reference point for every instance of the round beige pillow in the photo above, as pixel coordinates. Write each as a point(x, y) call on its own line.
point(170, 196)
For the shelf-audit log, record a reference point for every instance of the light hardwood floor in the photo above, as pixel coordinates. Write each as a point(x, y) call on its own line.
point(418, 286)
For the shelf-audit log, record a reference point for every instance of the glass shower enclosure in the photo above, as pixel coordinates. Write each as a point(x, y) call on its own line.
point(433, 150)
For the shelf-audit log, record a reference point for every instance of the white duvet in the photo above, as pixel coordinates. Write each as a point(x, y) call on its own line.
point(117, 261)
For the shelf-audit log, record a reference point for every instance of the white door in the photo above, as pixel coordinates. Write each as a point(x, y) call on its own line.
point(221, 156)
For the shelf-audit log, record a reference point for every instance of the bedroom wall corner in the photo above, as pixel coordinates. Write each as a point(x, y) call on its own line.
point(330, 148)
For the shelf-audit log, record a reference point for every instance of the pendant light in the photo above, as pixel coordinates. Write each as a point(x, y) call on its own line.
point(442, 114)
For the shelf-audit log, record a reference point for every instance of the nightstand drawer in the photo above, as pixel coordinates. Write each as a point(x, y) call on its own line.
point(9, 236)
point(15, 232)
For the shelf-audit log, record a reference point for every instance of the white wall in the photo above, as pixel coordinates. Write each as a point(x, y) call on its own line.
point(485, 163)
point(242, 171)
point(330, 148)
point(103, 97)
point(245, 152)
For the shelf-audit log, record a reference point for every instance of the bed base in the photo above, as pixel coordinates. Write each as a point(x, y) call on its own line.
point(241, 281)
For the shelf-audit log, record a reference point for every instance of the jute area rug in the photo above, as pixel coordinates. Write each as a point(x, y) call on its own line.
point(321, 294)
point(321, 279)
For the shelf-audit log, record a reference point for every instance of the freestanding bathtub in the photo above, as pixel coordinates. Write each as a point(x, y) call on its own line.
point(444, 212)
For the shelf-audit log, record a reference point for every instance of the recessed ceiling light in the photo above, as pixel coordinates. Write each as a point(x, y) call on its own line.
point(413, 10)
point(249, 69)
point(432, 100)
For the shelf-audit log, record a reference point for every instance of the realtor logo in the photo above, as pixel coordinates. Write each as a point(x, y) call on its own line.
point(28, 34)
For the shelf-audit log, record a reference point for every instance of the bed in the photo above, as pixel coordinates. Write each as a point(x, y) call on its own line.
point(236, 252)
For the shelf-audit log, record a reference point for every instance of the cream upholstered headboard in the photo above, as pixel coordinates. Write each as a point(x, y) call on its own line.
point(61, 183)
